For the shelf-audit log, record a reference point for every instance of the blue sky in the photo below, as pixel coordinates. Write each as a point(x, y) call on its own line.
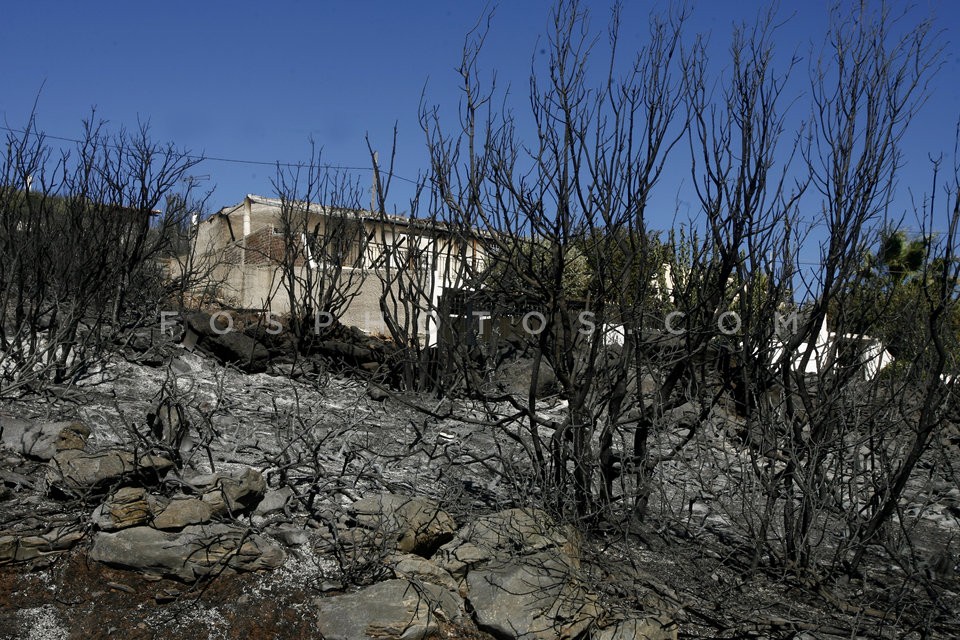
point(253, 81)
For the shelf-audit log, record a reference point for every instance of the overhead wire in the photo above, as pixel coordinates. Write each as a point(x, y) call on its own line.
point(206, 158)
point(297, 165)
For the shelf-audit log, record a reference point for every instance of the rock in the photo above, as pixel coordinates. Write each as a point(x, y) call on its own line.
point(181, 512)
point(390, 609)
point(377, 394)
point(151, 346)
point(42, 441)
point(660, 628)
point(170, 426)
point(514, 377)
point(413, 567)
point(417, 524)
point(128, 507)
point(204, 325)
point(535, 596)
point(72, 436)
point(365, 544)
point(186, 364)
point(17, 480)
point(274, 501)
point(132, 506)
point(290, 536)
point(292, 370)
point(20, 548)
point(77, 473)
point(195, 552)
point(513, 532)
point(237, 349)
point(233, 495)
point(167, 595)
point(343, 351)
point(521, 574)
point(216, 336)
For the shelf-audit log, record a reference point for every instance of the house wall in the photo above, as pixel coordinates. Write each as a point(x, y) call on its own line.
point(259, 287)
point(249, 277)
point(866, 351)
point(213, 236)
point(265, 247)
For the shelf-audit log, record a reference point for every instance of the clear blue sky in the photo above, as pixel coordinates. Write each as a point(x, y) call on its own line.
point(253, 81)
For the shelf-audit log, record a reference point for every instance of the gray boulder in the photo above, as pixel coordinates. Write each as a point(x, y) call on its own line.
point(24, 547)
point(203, 325)
point(230, 494)
point(275, 500)
point(42, 440)
point(539, 596)
point(659, 628)
point(230, 346)
point(391, 609)
point(520, 572)
point(76, 473)
point(514, 377)
point(127, 507)
point(183, 511)
point(238, 349)
point(195, 552)
point(417, 525)
point(405, 565)
point(512, 532)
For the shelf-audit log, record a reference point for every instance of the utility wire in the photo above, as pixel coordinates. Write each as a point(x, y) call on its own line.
point(294, 165)
point(205, 158)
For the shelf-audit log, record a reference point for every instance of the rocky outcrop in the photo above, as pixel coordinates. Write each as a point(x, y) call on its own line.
point(535, 596)
point(521, 575)
point(516, 572)
point(226, 494)
point(196, 552)
point(128, 507)
point(511, 532)
point(515, 376)
point(174, 536)
point(222, 496)
point(24, 547)
point(275, 501)
point(350, 347)
point(183, 511)
point(42, 441)
point(417, 525)
point(657, 628)
point(390, 609)
point(411, 567)
point(225, 343)
point(76, 473)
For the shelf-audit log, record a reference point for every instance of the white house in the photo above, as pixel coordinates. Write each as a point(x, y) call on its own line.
point(868, 351)
point(247, 242)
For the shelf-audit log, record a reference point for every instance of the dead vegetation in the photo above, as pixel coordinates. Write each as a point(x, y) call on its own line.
point(690, 463)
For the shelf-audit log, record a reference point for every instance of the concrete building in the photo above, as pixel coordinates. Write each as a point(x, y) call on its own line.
point(266, 250)
point(863, 351)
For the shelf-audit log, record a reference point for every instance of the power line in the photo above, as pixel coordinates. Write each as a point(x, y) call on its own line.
point(205, 158)
point(294, 165)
